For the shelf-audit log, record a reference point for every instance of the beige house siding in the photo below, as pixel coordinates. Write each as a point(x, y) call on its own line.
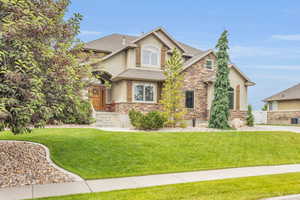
point(130, 58)
point(235, 80)
point(119, 92)
point(170, 43)
point(115, 65)
point(289, 105)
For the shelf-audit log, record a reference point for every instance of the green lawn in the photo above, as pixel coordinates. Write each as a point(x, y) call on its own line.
point(229, 189)
point(95, 154)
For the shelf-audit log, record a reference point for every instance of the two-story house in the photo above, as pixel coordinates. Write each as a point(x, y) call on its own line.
point(134, 66)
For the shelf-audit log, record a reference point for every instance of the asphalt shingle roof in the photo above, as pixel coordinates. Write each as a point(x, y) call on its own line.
point(288, 94)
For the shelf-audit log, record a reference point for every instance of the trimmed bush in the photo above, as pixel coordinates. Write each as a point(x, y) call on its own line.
point(153, 120)
point(250, 117)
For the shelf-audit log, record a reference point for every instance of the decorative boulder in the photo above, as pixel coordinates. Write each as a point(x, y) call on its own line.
point(237, 123)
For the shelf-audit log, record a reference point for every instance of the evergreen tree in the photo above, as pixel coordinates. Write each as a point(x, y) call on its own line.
point(172, 95)
point(220, 106)
point(250, 117)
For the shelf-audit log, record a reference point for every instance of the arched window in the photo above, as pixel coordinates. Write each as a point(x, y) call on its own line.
point(150, 56)
point(231, 98)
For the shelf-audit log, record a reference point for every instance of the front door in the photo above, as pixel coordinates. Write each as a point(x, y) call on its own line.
point(97, 96)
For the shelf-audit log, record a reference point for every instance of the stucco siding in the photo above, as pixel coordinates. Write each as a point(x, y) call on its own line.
point(289, 105)
point(170, 43)
point(236, 79)
point(119, 94)
point(131, 58)
point(114, 65)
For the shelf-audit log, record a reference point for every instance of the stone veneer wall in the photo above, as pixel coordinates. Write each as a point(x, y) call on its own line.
point(124, 108)
point(282, 117)
point(195, 78)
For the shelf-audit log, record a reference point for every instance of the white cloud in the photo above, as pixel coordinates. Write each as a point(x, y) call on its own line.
point(85, 32)
point(295, 37)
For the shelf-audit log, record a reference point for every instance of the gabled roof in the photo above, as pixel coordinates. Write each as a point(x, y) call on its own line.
point(110, 43)
point(165, 32)
point(288, 94)
point(114, 44)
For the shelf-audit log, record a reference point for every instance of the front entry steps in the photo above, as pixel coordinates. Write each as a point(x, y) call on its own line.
point(111, 119)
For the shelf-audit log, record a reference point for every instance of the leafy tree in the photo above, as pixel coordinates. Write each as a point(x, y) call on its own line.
point(265, 107)
point(40, 76)
point(250, 117)
point(172, 95)
point(220, 105)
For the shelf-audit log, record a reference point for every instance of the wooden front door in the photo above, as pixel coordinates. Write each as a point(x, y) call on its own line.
point(97, 97)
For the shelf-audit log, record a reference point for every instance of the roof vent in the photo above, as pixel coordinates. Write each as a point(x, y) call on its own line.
point(124, 41)
point(282, 95)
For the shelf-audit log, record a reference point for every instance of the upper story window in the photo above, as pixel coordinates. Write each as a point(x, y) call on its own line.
point(150, 56)
point(209, 63)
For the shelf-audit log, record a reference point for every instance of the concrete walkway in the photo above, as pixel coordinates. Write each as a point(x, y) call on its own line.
point(102, 185)
point(288, 197)
point(295, 129)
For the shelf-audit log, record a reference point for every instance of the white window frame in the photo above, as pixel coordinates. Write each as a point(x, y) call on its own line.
point(150, 48)
point(144, 84)
point(212, 64)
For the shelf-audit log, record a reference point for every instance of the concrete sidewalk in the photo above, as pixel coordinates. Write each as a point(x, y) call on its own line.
point(102, 185)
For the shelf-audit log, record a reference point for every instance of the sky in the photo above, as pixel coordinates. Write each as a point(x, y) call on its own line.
point(264, 36)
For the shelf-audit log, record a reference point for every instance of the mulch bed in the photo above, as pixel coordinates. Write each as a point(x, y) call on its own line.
point(23, 163)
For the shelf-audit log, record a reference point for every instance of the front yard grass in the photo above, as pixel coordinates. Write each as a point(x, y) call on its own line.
point(93, 154)
point(249, 188)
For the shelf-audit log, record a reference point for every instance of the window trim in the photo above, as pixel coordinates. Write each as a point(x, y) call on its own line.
point(212, 63)
point(194, 102)
point(150, 48)
point(144, 85)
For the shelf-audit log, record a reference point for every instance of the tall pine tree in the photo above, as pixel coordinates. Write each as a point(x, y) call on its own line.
point(172, 95)
point(220, 105)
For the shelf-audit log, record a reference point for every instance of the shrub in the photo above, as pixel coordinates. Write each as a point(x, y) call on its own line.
point(78, 112)
point(135, 118)
point(150, 121)
point(250, 117)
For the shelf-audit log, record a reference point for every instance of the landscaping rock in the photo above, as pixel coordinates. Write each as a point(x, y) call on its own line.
point(23, 163)
point(237, 123)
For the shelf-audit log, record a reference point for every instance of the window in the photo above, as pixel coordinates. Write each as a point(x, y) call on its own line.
point(271, 106)
point(231, 98)
point(144, 92)
point(294, 121)
point(209, 63)
point(189, 99)
point(150, 56)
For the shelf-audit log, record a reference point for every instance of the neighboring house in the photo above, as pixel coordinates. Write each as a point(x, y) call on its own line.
point(134, 66)
point(284, 107)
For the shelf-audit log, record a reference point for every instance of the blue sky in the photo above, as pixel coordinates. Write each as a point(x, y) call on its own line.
point(264, 35)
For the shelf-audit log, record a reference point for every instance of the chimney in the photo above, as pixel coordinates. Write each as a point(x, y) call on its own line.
point(124, 41)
